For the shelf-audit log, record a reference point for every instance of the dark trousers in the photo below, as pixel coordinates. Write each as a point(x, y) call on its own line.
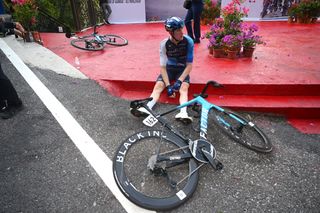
point(106, 9)
point(7, 92)
point(194, 13)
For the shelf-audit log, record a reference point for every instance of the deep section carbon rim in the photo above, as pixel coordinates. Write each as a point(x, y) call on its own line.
point(88, 43)
point(115, 40)
point(154, 190)
point(241, 130)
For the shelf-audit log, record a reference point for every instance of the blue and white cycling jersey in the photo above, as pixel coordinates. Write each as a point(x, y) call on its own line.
point(178, 55)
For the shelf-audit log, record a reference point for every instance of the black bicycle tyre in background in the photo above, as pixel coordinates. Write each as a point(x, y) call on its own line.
point(82, 43)
point(145, 188)
point(115, 40)
point(247, 134)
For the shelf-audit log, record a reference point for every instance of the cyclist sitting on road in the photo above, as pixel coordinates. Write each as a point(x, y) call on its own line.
point(176, 57)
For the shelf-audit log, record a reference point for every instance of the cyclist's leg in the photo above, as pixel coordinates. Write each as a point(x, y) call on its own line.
point(183, 115)
point(160, 85)
point(184, 92)
point(157, 89)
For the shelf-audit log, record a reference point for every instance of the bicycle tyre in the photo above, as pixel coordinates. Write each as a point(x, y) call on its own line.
point(248, 134)
point(115, 40)
point(82, 44)
point(144, 191)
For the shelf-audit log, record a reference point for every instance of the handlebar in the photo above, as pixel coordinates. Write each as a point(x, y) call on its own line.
point(204, 90)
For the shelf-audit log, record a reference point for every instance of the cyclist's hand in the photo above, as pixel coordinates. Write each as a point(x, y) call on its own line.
point(177, 85)
point(170, 91)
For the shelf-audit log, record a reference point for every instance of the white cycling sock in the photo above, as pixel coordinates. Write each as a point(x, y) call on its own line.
point(151, 103)
point(183, 110)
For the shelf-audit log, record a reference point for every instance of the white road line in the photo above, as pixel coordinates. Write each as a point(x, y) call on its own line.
point(90, 150)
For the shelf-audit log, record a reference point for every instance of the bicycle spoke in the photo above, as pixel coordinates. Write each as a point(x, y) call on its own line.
point(190, 173)
point(241, 130)
point(115, 40)
point(139, 173)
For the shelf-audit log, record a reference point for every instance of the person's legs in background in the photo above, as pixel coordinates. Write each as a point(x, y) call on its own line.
point(197, 10)
point(188, 23)
point(106, 9)
point(10, 102)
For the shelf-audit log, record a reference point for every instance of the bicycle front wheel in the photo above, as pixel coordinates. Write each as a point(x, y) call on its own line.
point(115, 40)
point(88, 43)
point(163, 188)
point(241, 130)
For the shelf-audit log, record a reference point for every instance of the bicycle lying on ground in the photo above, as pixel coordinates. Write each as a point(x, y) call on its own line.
point(95, 42)
point(158, 168)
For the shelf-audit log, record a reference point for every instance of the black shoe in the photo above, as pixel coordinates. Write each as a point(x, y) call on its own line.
point(106, 22)
point(7, 112)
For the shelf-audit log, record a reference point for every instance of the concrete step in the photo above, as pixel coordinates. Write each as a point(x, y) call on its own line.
point(293, 101)
point(228, 89)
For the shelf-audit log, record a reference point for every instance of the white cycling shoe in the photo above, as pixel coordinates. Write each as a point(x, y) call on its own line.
point(183, 117)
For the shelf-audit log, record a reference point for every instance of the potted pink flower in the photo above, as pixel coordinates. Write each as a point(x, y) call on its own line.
point(249, 39)
point(232, 43)
point(229, 33)
point(215, 36)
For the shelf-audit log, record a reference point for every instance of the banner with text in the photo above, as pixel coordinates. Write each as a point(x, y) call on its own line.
point(127, 11)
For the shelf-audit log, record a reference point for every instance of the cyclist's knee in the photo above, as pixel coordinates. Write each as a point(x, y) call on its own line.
point(159, 87)
point(184, 88)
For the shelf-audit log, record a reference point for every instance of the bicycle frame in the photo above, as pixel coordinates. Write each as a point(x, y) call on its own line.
point(205, 109)
point(96, 35)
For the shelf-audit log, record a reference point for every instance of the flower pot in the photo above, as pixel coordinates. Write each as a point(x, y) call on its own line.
point(304, 20)
point(314, 20)
point(218, 53)
point(307, 20)
point(232, 54)
point(248, 52)
point(36, 37)
point(210, 50)
point(27, 36)
point(290, 19)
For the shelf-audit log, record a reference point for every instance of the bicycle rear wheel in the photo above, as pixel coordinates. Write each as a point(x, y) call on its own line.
point(145, 187)
point(88, 43)
point(115, 40)
point(241, 130)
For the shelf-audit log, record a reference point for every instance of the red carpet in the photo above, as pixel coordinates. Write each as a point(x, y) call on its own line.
point(283, 77)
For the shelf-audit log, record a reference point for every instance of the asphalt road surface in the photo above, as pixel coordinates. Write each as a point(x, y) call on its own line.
point(41, 169)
